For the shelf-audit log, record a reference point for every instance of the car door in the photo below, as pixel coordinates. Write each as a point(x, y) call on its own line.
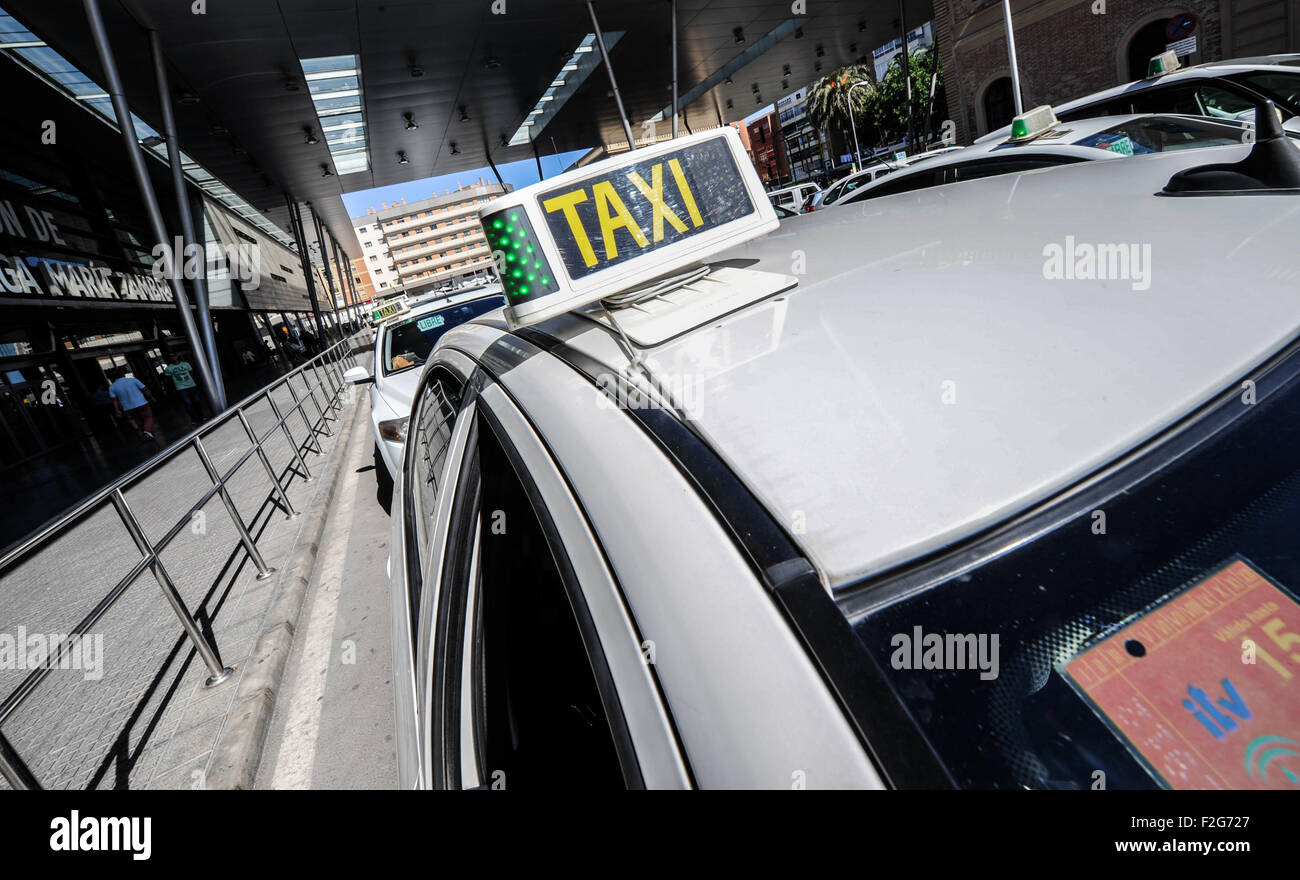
point(436, 441)
point(536, 676)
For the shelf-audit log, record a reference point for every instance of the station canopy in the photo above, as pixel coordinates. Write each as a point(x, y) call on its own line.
point(270, 93)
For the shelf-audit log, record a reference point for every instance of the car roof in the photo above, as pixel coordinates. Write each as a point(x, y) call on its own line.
point(828, 401)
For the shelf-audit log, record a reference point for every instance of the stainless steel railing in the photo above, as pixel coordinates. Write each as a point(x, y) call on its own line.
point(323, 373)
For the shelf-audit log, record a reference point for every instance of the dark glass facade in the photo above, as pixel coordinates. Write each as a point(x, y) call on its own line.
point(79, 299)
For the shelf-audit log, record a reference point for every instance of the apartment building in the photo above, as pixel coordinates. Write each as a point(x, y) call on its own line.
point(430, 243)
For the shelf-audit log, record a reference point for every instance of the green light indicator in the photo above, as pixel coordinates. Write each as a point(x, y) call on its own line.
point(546, 280)
point(530, 249)
point(524, 291)
point(514, 217)
point(532, 277)
point(510, 229)
point(496, 224)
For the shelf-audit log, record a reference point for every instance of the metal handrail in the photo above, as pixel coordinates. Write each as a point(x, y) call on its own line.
point(326, 373)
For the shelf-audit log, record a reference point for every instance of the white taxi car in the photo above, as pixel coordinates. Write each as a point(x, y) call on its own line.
point(405, 334)
point(851, 182)
point(722, 502)
point(1039, 140)
point(1229, 89)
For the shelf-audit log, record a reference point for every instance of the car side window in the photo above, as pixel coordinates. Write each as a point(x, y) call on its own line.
point(994, 167)
point(1194, 99)
point(1281, 86)
point(539, 717)
point(434, 416)
point(902, 184)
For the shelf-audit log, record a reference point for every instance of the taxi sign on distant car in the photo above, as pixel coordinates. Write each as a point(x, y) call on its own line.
point(1032, 123)
point(395, 306)
point(616, 224)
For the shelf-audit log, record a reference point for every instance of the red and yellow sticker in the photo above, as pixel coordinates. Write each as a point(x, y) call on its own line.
point(1205, 687)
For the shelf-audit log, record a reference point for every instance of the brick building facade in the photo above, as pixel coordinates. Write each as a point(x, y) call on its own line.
point(767, 149)
point(1070, 48)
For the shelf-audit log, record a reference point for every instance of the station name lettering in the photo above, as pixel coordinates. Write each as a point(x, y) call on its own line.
point(37, 276)
point(613, 215)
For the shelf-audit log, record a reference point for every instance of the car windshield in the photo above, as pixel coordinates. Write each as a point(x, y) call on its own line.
point(1115, 615)
point(407, 344)
point(1161, 134)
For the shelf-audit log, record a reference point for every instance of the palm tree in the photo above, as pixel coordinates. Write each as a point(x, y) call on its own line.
point(832, 106)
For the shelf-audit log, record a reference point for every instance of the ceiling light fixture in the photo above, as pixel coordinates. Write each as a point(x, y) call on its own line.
point(325, 170)
point(491, 63)
point(411, 124)
point(798, 33)
point(401, 158)
point(416, 71)
point(311, 136)
point(862, 27)
point(738, 34)
point(454, 150)
point(464, 114)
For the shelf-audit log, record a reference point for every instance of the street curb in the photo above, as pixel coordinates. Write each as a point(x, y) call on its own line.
point(238, 751)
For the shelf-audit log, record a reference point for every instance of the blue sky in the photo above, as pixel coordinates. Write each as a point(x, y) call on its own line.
point(521, 173)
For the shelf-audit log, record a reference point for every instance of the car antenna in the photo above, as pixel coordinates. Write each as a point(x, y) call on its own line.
point(1272, 168)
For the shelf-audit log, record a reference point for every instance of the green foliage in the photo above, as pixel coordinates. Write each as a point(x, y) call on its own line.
point(885, 113)
point(831, 106)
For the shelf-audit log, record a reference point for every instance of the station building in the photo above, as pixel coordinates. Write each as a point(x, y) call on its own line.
point(79, 297)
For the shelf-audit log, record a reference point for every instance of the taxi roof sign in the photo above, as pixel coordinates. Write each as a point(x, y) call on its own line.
point(1033, 123)
point(1165, 62)
point(616, 224)
point(395, 306)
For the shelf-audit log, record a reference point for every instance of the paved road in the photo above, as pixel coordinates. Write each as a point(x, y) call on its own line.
point(333, 722)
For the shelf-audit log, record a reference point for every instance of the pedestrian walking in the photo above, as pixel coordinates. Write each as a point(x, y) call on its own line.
point(182, 376)
point(132, 398)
